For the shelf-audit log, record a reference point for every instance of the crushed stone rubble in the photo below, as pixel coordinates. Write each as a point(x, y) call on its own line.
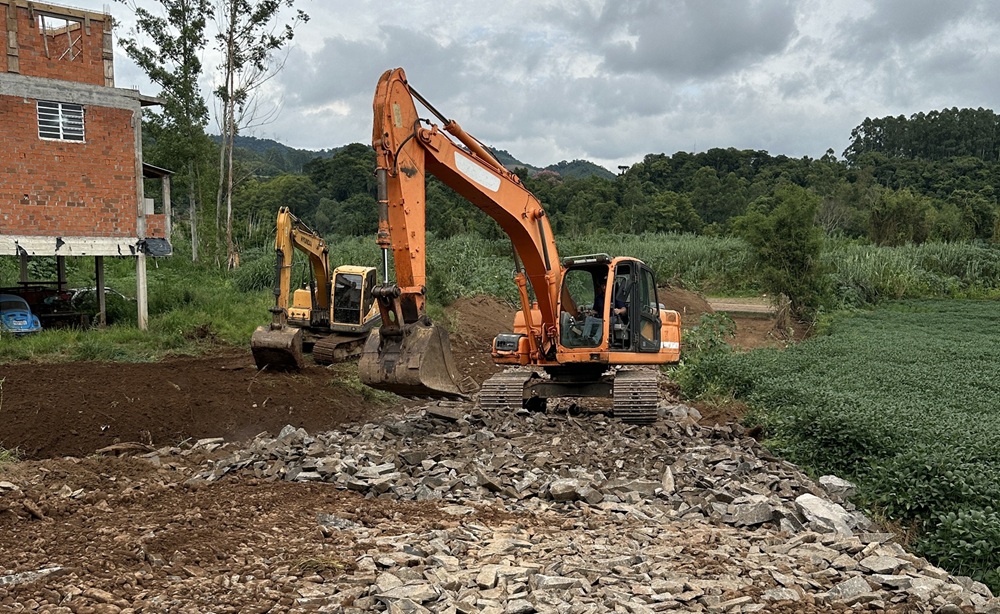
point(627, 496)
point(599, 517)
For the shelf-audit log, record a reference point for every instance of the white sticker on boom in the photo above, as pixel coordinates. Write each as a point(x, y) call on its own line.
point(670, 345)
point(476, 173)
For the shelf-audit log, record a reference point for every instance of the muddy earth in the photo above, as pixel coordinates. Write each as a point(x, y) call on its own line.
point(75, 409)
point(111, 510)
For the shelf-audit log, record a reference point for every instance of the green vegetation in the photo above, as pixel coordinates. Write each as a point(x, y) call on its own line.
point(191, 308)
point(195, 305)
point(704, 362)
point(903, 401)
point(786, 246)
point(930, 178)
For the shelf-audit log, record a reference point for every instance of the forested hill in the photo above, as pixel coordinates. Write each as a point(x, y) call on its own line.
point(936, 135)
point(274, 158)
point(933, 176)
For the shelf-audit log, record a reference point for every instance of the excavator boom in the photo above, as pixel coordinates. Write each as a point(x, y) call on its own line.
point(410, 355)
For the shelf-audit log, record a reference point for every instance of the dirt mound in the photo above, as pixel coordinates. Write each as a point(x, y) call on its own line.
point(685, 302)
point(478, 319)
point(474, 322)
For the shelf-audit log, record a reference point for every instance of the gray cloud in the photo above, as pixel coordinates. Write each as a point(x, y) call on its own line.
point(691, 39)
point(613, 80)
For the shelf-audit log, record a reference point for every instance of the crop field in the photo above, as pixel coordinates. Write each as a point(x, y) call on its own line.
point(903, 400)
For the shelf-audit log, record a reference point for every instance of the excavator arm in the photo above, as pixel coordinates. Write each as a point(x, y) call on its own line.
point(409, 148)
point(293, 234)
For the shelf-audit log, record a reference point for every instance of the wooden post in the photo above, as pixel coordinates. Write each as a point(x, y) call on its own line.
point(102, 314)
point(24, 268)
point(140, 291)
point(61, 273)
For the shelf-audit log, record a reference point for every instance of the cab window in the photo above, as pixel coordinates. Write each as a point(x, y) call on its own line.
point(580, 321)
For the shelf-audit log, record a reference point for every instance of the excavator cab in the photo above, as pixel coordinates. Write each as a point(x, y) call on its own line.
point(610, 305)
point(353, 302)
point(583, 310)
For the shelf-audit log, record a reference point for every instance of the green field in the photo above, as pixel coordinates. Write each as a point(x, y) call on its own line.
point(904, 400)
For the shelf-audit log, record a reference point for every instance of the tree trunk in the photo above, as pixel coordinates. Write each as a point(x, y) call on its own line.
point(193, 211)
point(232, 257)
point(222, 176)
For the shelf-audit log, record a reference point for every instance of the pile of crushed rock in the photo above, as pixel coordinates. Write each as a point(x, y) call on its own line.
point(673, 516)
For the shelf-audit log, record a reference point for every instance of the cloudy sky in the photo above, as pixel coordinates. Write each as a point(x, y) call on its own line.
point(612, 80)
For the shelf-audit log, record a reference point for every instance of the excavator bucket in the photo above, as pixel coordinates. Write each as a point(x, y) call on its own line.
point(277, 349)
point(416, 363)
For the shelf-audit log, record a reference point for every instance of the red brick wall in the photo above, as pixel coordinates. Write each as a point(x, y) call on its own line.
point(61, 188)
point(156, 226)
point(86, 67)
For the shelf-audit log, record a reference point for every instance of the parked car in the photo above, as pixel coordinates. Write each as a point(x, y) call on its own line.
point(16, 316)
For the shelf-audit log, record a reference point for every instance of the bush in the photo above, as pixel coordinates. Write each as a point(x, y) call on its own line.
point(965, 542)
point(702, 372)
point(786, 244)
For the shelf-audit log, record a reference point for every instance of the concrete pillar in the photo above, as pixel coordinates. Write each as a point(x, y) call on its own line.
point(102, 312)
point(141, 299)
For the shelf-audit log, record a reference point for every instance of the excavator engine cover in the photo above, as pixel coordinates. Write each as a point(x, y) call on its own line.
point(278, 349)
point(416, 363)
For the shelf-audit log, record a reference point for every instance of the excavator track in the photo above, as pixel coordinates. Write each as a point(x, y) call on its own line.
point(636, 395)
point(504, 391)
point(337, 348)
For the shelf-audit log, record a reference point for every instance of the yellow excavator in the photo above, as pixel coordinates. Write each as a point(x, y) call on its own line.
point(590, 323)
point(331, 317)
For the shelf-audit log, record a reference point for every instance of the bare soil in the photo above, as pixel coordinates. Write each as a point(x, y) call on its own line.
point(83, 503)
point(74, 409)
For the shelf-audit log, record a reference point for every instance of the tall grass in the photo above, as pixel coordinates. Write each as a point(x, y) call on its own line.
point(867, 275)
point(192, 307)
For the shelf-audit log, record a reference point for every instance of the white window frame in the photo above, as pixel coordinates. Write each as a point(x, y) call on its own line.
point(60, 121)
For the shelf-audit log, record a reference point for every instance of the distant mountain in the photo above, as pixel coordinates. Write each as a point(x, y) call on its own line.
point(577, 169)
point(273, 158)
point(513, 163)
point(270, 157)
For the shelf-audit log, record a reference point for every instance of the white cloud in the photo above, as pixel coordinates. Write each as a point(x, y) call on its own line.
point(613, 80)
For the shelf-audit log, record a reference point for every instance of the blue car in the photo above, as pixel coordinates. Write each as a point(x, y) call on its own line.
point(16, 316)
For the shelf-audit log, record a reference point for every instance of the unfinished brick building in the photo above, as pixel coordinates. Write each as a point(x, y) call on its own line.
point(71, 171)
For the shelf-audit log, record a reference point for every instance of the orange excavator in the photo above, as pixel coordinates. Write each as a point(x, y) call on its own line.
point(579, 318)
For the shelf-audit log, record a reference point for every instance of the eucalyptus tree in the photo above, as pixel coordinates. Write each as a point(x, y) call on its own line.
point(250, 33)
point(168, 47)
